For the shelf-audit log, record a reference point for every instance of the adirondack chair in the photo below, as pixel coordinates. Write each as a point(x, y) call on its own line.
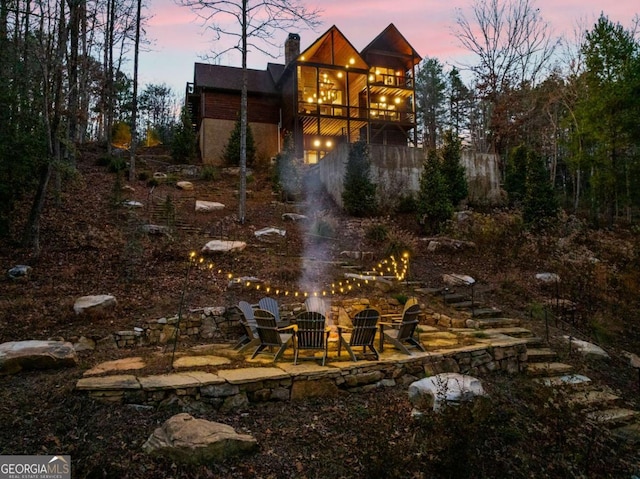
point(311, 333)
point(316, 304)
point(398, 316)
point(271, 305)
point(401, 333)
point(271, 336)
point(363, 333)
point(247, 311)
point(250, 338)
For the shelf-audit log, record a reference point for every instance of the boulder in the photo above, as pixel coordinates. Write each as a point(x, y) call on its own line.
point(293, 217)
point(185, 439)
point(18, 355)
point(206, 206)
point(94, 303)
point(223, 246)
point(185, 185)
point(19, 271)
point(151, 229)
point(586, 348)
point(442, 388)
point(458, 279)
point(547, 277)
point(269, 233)
point(132, 204)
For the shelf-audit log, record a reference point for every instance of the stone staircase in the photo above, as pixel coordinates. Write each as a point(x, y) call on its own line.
point(597, 402)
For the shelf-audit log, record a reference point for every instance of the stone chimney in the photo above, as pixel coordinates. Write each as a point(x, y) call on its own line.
point(291, 48)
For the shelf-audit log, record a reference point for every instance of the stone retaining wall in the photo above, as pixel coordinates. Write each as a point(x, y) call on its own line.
point(233, 388)
point(223, 324)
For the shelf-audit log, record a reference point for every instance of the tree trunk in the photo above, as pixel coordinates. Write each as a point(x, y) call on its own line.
point(242, 194)
point(134, 110)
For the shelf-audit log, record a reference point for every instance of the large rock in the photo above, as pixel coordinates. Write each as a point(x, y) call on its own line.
point(20, 271)
point(586, 348)
point(185, 185)
point(94, 303)
point(223, 246)
point(206, 206)
point(434, 391)
point(18, 355)
point(458, 279)
point(183, 438)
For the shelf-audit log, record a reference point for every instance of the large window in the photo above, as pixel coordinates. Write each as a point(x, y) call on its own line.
point(321, 90)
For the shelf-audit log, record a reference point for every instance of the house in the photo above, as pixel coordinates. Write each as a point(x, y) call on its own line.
point(326, 95)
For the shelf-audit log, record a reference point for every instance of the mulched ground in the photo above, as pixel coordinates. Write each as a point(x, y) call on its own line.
point(89, 246)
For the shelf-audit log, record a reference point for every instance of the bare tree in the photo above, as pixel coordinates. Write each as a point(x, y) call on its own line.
point(253, 25)
point(512, 43)
point(134, 109)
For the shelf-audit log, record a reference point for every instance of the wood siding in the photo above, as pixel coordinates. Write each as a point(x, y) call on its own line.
point(226, 106)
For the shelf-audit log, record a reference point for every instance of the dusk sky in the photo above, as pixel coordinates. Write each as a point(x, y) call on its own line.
point(179, 40)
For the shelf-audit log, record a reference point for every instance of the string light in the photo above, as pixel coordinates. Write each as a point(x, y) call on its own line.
point(397, 268)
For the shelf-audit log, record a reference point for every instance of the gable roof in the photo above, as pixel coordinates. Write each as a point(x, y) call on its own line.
point(333, 48)
point(392, 41)
point(230, 78)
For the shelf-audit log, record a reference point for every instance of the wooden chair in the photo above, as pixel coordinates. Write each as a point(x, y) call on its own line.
point(250, 337)
point(398, 316)
point(271, 305)
point(247, 311)
point(316, 304)
point(362, 333)
point(311, 333)
point(270, 335)
point(401, 333)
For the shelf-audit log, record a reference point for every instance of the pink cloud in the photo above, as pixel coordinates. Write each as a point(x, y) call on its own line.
point(179, 37)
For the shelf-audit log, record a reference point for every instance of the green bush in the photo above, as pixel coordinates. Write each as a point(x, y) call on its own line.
point(377, 232)
point(209, 173)
point(117, 164)
point(398, 242)
point(406, 204)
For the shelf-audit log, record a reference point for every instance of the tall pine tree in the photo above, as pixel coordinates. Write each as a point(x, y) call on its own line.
point(452, 169)
point(359, 194)
point(434, 205)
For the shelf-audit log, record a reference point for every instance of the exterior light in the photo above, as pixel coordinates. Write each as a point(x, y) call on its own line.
point(351, 61)
point(371, 77)
point(339, 74)
point(397, 101)
point(383, 99)
point(316, 143)
point(329, 143)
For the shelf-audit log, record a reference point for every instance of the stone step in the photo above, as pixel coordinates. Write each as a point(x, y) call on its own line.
point(629, 433)
point(614, 417)
point(548, 369)
point(454, 298)
point(575, 381)
point(492, 323)
point(593, 398)
point(516, 332)
point(428, 291)
point(539, 355)
point(466, 305)
point(486, 313)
